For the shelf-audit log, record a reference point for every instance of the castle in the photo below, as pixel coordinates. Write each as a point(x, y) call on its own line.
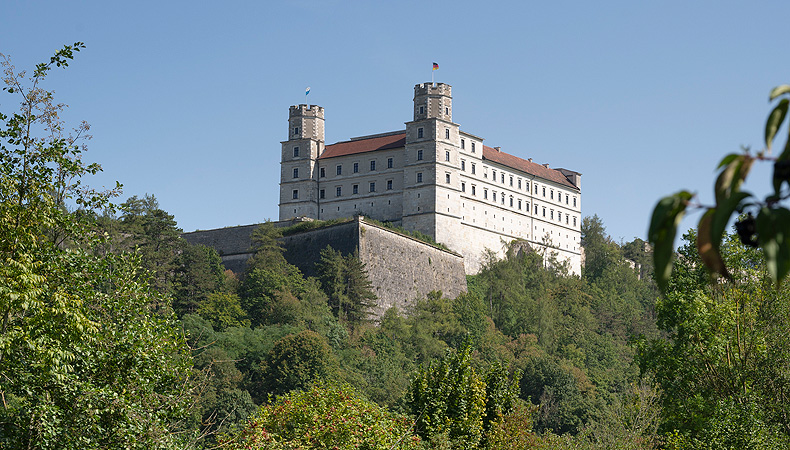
point(432, 178)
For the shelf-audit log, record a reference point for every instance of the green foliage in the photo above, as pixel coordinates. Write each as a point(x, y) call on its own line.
point(726, 353)
point(223, 310)
point(324, 417)
point(298, 360)
point(770, 230)
point(345, 281)
point(199, 272)
point(90, 357)
point(448, 398)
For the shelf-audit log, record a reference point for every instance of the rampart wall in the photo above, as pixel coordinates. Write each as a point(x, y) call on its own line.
point(399, 267)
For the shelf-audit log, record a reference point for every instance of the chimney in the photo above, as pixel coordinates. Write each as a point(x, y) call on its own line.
point(530, 160)
point(497, 148)
point(546, 165)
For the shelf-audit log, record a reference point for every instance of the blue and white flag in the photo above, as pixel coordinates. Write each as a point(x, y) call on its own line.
point(307, 91)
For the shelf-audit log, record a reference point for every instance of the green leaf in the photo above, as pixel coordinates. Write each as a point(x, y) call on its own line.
point(727, 160)
point(722, 214)
point(779, 90)
point(773, 232)
point(708, 245)
point(774, 121)
point(731, 178)
point(663, 227)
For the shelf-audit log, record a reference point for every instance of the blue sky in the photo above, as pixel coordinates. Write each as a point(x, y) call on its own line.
point(189, 100)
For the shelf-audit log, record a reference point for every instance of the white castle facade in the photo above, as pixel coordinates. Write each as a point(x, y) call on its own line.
point(433, 178)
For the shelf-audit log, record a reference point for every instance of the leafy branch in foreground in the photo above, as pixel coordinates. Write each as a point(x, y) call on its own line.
point(763, 223)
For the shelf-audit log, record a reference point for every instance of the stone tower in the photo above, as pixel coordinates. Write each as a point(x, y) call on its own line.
point(430, 175)
point(298, 162)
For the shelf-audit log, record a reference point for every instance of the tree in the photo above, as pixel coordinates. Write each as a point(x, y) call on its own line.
point(88, 359)
point(762, 223)
point(346, 283)
point(298, 360)
point(723, 365)
point(324, 417)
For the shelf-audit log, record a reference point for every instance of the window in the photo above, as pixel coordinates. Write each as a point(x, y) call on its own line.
point(503, 199)
point(574, 221)
point(463, 165)
point(536, 189)
point(552, 215)
point(296, 130)
point(355, 189)
point(544, 191)
point(544, 211)
point(419, 133)
point(296, 194)
point(474, 190)
point(447, 133)
point(322, 194)
point(373, 165)
point(485, 194)
point(574, 205)
point(526, 185)
point(463, 144)
point(473, 147)
point(527, 207)
point(519, 204)
point(419, 177)
point(446, 110)
point(372, 186)
point(422, 110)
point(389, 185)
point(419, 155)
point(389, 163)
point(296, 152)
point(566, 219)
point(536, 209)
point(447, 178)
point(559, 216)
point(473, 168)
point(551, 194)
point(339, 169)
point(296, 172)
point(503, 177)
point(511, 202)
point(338, 190)
point(519, 183)
point(493, 196)
point(511, 180)
point(463, 187)
point(447, 155)
point(493, 175)
point(322, 172)
point(566, 199)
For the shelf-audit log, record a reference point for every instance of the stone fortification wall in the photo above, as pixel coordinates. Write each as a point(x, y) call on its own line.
point(232, 243)
point(401, 268)
point(304, 249)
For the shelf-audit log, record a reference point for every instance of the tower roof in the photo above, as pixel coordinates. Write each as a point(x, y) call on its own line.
point(514, 162)
point(364, 145)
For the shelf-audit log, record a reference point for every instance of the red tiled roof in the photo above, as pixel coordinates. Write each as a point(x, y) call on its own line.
point(514, 162)
point(364, 145)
